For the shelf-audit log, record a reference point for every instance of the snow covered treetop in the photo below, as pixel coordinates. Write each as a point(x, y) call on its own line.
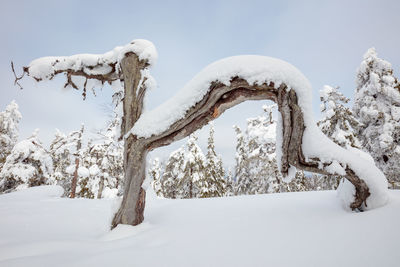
point(256, 70)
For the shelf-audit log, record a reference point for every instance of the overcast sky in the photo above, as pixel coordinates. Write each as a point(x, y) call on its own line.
point(325, 40)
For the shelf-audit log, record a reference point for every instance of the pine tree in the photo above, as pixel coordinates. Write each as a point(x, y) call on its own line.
point(60, 152)
point(242, 172)
point(261, 138)
point(214, 185)
point(377, 107)
point(171, 184)
point(194, 176)
point(28, 164)
point(155, 176)
point(66, 152)
point(256, 167)
point(103, 159)
point(339, 124)
point(230, 184)
point(9, 120)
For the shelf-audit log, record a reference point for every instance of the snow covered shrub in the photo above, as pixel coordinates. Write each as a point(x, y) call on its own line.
point(9, 120)
point(29, 164)
point(377, 107)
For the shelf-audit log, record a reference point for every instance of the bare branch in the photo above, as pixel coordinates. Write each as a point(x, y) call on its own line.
point(16, 77)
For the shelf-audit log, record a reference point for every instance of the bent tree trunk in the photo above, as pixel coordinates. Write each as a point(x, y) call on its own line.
point(131, 69)
point(218, 99)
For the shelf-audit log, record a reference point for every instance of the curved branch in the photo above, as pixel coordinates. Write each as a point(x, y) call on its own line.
point(218, 99)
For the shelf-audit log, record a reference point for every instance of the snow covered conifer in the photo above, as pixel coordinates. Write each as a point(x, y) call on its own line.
point(28, 164)
point(9, 120)
point(261, 136)
point(66, 151)
point(174, 171)
point(104, 162)
point(339, 124)
point(377, 107)
point(155, 175)
point(242, 172)
point(230, 184)
point(194, 178)
point(215, 182)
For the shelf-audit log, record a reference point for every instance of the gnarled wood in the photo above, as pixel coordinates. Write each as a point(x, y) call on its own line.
point(219, 98)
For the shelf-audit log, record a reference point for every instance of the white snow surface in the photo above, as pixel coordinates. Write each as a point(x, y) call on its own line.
point(39, 228)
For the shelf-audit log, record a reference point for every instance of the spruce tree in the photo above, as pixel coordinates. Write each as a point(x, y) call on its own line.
point(194, 176)
point(155, 176)
point(230, 184)
point(9, 119)
point(377, 107)
point(174, 171)
point(242, 172)
point(339, 124)
point(67, 152)
point(215, 184)
point(29, 164)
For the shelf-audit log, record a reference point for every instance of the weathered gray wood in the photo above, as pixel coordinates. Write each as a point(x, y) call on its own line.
point(218, 99)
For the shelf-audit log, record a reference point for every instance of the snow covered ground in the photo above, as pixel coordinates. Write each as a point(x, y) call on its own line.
point(38, 228)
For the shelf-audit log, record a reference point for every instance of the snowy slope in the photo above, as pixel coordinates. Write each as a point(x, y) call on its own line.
point(38, 228)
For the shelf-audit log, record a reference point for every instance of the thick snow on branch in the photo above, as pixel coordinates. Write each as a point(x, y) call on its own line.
point(253, 69)
point(91, 65)
point(257, 70)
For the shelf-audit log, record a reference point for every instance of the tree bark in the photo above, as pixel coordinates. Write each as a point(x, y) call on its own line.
point(133, 202)
point(101, 187)
point(218, 99)
point(74, 179)
point(132, 206)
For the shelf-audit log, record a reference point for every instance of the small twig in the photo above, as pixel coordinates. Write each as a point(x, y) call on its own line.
point(16, 77)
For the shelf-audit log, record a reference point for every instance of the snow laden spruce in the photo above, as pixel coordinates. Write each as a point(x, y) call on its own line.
point(377, 107)
point(218, 87)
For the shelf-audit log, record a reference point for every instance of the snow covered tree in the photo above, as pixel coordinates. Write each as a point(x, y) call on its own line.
point(193, 183)
point(230, 184)
point(155, 176)
point(339, 124)
point(66, 152)
point(103, 160)
point(173, 175)
point(261, 136)
point(9, 120)
point(215, 184)
point(28, 164)
point(218, 87)
point(242, 172)
point(377, 107)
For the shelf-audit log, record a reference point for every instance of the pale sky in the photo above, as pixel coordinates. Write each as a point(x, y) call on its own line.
point(324, 39)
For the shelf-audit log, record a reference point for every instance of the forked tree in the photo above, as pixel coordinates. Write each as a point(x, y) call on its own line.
point(217, 88)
